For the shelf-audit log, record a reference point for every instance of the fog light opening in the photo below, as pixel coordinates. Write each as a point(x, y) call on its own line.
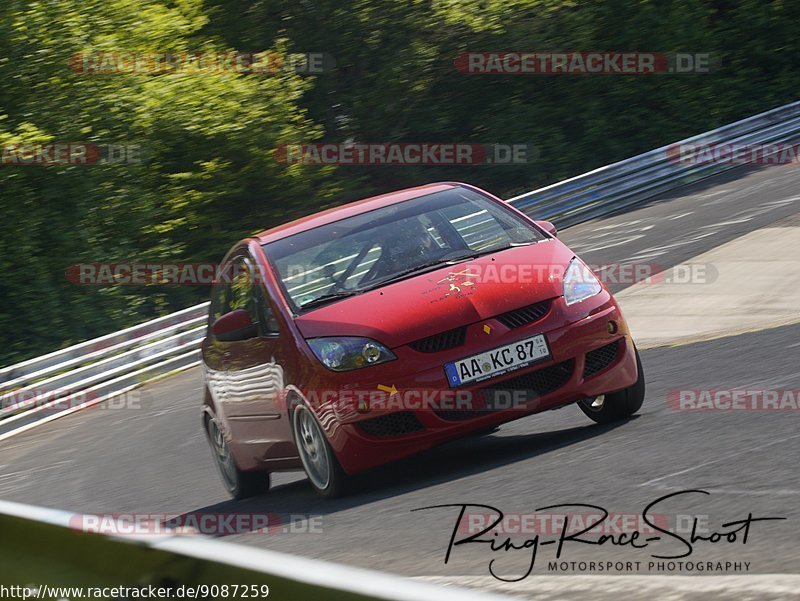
point(613, 328)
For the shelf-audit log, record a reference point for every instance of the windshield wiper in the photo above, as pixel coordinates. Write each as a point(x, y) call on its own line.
point(447, 259)
point(328, 298)
point(422, 267)
point(488, 251)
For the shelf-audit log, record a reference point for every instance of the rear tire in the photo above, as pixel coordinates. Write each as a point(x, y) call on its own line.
point(324, 473)
point(618, 405)
point(239, 484)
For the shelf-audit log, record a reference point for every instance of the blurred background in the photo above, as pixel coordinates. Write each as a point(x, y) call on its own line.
point(208, 175)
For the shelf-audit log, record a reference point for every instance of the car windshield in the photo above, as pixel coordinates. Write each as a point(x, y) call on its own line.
point(366, 251)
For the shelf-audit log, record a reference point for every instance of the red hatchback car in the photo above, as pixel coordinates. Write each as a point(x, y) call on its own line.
point(373, 331)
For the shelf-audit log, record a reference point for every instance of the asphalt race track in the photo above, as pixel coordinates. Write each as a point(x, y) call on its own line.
point(153, 459)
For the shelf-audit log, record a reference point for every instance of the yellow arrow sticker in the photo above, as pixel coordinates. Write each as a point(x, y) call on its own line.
point(391, 390)
point(487, 329)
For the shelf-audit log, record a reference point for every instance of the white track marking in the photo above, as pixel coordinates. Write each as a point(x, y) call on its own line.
point(713, 461)
point(779, 492)
point(619, 242)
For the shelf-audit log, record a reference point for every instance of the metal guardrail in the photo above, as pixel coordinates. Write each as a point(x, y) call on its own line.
point(48, 387)
point(48, 548)
point(621, 185)
point(54, 385)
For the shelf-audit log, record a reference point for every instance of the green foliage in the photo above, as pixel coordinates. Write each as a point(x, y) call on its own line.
point(209, 176)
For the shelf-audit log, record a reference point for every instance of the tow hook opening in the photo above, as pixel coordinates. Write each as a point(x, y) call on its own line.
point(596, 403)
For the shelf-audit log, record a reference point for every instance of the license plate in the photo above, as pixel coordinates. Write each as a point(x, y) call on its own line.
point(497, 361)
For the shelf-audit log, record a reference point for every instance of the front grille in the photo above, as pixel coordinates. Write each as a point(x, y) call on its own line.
point(525, 315)
point(441, 341)
point(453, 338)
point(505, 394)
point(598, 359)
point(393, 424)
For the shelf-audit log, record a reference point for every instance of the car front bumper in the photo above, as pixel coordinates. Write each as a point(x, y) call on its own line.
point(591, 353)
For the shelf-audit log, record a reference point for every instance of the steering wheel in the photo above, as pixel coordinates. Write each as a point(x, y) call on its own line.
point(328, 272)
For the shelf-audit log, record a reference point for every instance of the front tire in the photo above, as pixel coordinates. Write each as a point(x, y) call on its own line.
point(239, 484)
point(319, 461)
point(618, 405)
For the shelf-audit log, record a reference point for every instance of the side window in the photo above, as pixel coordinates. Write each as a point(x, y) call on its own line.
point(245, 292)
point(219, 301)
point(242, 288)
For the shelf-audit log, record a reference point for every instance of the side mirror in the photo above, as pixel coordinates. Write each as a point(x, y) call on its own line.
point(234, 326)
point(548, 227)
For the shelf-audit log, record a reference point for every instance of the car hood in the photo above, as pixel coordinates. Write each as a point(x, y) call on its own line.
point(446, 298)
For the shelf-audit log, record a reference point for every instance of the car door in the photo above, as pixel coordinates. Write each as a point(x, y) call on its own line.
point(254, 373)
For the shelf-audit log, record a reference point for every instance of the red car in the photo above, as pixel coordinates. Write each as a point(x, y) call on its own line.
point(372, 331)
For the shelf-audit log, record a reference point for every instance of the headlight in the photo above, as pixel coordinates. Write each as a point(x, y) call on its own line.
point(579, 282)
point(342, 353)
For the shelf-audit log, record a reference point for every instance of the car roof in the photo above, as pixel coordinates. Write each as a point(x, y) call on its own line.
point(350, 209)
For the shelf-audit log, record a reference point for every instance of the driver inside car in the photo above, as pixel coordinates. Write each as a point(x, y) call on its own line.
point(413, 245)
